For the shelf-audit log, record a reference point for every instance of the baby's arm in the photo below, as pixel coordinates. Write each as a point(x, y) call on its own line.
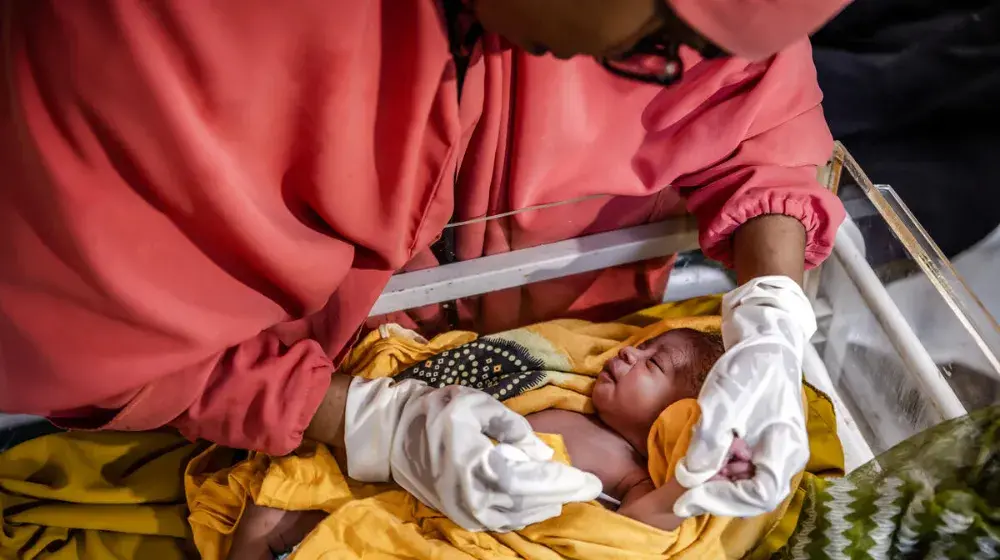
point(264, 532)
point(655, 506)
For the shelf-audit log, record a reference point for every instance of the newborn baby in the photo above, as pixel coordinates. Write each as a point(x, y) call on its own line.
point(631, 392)
point(629, 395)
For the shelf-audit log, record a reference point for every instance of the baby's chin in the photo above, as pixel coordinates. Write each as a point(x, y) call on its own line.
point(608, 418)
point(604, 406)
point(602, 395)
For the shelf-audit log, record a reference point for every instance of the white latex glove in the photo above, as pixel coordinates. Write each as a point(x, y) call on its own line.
point(753, 391)
point(435, 443)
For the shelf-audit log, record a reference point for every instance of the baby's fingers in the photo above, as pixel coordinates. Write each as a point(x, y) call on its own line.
point(739, 470)
point(740, 450)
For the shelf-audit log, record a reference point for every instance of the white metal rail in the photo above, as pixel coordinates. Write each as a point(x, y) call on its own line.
point(525, 266)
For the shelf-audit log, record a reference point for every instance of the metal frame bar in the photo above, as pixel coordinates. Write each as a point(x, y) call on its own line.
point(525, 266)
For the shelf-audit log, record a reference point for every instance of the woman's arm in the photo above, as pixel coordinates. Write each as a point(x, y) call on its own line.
point(782, 139)
point(327, 425)
point(769, 245)
point(767, 323)
point(146, 255)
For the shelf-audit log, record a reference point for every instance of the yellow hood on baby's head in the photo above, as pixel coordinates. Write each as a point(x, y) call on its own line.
point(669, 439)
point(668, 443)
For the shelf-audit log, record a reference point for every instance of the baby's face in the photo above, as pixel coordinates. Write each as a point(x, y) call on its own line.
point(639, 383)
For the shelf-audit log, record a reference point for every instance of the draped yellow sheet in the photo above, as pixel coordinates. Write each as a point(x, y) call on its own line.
point(383, 521)
point(125, 495)
point(96, 495)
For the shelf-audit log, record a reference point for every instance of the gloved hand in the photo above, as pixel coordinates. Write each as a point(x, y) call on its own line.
point(435, 443)
point(754, 392)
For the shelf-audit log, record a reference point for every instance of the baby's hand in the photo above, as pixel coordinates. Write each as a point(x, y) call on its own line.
point(738, 465)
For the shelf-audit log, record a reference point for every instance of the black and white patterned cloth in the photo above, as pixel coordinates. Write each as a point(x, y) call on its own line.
point(502, 368)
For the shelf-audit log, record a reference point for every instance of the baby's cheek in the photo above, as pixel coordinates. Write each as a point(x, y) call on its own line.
point(651, 390)
point(601, 396)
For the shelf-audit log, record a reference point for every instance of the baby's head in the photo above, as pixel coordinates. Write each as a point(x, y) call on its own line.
point(639, 383)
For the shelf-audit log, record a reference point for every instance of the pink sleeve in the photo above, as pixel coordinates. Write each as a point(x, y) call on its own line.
point(261, 396)
point(131, 355)
point(146, 252)
point(88, 371)
point(773, 169)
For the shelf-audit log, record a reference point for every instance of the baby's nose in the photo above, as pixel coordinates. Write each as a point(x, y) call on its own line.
point(629, 355)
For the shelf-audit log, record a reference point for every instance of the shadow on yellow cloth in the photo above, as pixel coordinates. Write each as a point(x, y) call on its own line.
point(96, 495)
point(386, 522)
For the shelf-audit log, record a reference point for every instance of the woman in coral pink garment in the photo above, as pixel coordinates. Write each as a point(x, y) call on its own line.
point(202, 200)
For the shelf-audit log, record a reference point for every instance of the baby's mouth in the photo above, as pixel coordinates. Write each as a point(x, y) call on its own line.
point(616, 368)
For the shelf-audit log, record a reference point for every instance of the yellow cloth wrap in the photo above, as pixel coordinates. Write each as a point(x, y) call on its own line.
point(96, 495)
point(719, 537)
point(669, 439)
point(386, 522)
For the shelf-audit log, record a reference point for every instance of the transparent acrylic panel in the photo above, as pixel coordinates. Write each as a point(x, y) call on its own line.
point(904, 340)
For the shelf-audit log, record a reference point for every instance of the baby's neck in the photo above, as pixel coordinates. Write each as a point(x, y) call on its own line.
point(638, 440)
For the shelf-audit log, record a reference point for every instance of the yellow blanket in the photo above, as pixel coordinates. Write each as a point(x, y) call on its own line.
point(383, 521)
point(96, 495)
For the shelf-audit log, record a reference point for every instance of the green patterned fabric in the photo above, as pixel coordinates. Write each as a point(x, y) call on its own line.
point(936, 495)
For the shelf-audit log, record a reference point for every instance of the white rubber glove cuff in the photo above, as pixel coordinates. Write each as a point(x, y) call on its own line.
point(371, 418)
point(767, 314)
point(777, 292)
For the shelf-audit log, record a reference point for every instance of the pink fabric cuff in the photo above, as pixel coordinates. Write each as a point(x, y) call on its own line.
point(820, 211)
point(268, 414)
point(261, 397)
